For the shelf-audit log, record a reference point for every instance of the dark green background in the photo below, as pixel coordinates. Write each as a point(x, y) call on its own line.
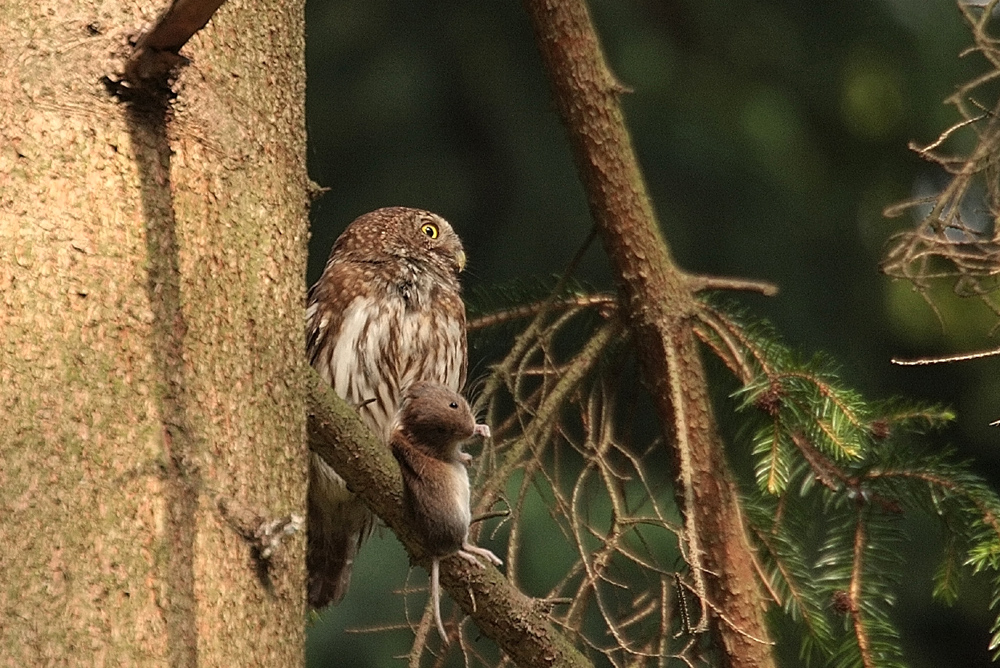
point(772, 135)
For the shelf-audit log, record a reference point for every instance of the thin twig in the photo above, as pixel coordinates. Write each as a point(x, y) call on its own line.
point(961, 357)
point(699, 283)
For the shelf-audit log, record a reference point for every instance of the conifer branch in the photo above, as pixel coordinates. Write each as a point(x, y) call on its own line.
point(855, 597)
point(794, 588)
point(657, 301)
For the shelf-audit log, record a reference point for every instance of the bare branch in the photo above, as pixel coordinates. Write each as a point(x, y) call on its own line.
point(961, 357)
point(957, 238)
point(548, 411)
point(605, 304)
point(702, 283)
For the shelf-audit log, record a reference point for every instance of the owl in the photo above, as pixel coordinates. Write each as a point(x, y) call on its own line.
point(386, 312)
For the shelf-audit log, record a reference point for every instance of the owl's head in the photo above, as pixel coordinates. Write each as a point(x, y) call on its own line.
point(401, 233)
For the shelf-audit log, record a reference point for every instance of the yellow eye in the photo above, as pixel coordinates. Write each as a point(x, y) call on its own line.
point(430, 230)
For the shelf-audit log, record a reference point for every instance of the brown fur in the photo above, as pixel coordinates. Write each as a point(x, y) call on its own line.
point(426, 441)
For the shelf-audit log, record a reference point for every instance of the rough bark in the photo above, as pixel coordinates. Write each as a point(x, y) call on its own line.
point(151, 286)
point(658, 300)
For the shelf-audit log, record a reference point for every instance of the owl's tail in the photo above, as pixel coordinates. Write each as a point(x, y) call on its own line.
point(338, 523)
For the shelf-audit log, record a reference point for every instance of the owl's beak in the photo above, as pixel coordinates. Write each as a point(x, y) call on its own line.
point(460, 260)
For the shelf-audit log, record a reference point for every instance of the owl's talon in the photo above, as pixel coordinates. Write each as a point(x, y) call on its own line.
point(269, 535)
point(264, 536)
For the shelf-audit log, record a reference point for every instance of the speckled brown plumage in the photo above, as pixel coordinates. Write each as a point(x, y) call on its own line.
point(386, 312)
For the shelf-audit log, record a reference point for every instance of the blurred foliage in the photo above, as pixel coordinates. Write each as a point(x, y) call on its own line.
point(772, 135)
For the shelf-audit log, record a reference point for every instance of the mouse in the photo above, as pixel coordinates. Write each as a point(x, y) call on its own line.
point(426, 439)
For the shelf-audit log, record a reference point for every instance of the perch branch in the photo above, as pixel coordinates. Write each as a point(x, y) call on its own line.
point(514, 621)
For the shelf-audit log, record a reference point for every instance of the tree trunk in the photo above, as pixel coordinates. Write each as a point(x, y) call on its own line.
point(152, 260)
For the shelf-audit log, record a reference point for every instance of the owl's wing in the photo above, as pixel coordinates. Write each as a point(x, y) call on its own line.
point(464, 350)
point(325, 305)
point(456, 309)
point(338, 521)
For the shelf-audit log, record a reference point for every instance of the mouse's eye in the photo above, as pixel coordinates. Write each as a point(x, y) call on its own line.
point(453, 404)
point(430, 229)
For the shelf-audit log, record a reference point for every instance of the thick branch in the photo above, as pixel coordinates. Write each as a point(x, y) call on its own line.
point(502, 612)
point(658, 302)
point(156, 52)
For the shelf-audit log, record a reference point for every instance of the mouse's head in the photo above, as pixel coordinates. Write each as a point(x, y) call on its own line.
point(435, 418)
